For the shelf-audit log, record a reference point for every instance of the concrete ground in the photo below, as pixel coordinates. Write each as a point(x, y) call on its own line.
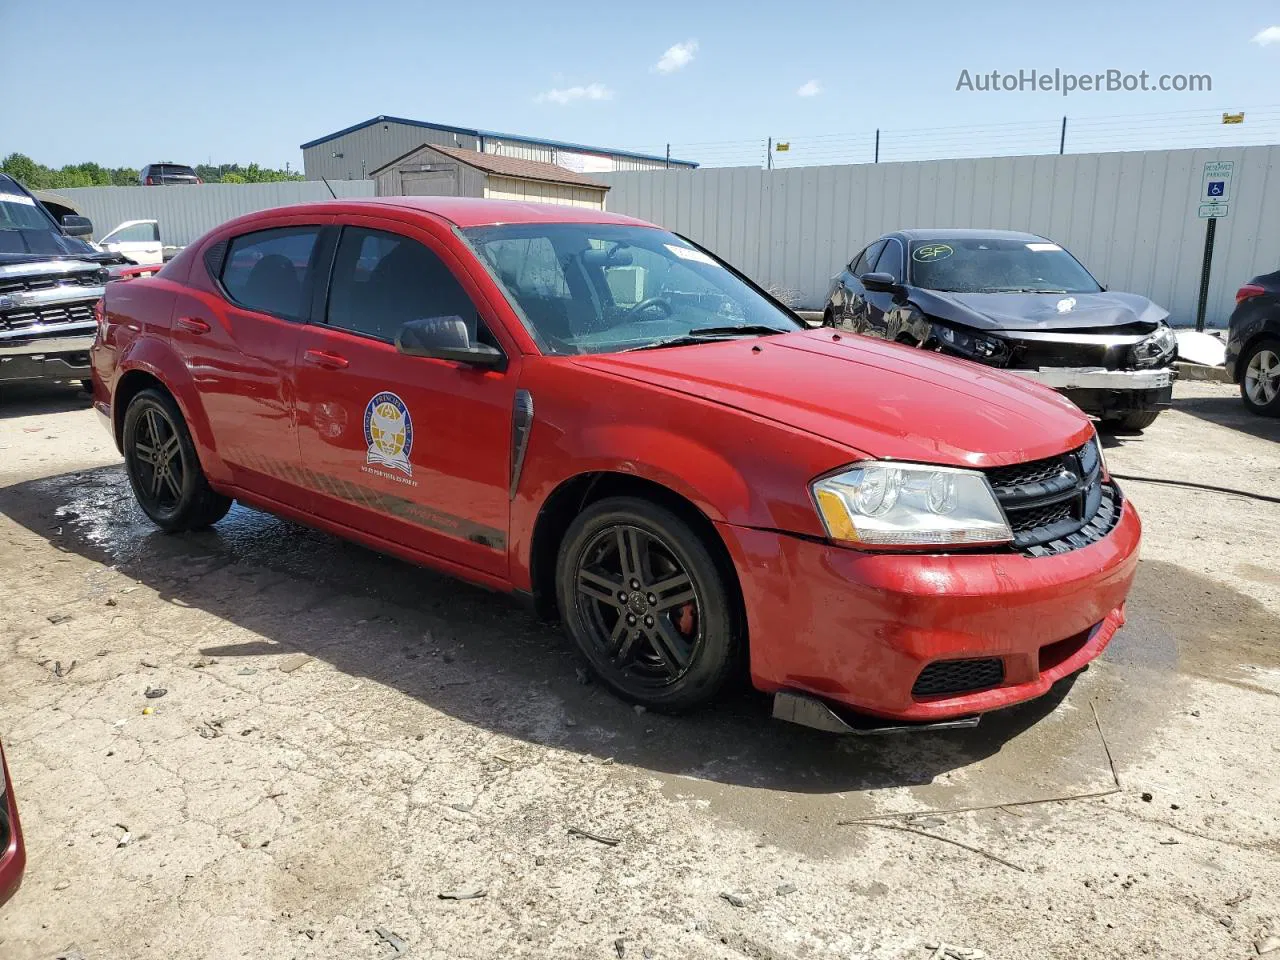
point(349, 748)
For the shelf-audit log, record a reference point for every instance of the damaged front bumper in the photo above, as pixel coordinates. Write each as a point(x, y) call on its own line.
point(1099, 378)
point(1108, 394)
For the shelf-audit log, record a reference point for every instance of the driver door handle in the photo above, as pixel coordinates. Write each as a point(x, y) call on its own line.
point(325, 359)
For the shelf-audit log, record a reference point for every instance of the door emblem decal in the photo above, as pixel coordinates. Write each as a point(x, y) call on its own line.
point(388, 430)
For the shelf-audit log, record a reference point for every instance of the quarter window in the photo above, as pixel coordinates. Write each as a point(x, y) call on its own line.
point(271, 270)
point(381, 281)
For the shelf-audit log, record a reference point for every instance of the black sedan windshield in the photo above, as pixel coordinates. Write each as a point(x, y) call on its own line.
point(598, 288)
point(997, 265)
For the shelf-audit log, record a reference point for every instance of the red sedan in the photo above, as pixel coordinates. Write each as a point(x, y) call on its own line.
point(600, 415)
point(13, 856)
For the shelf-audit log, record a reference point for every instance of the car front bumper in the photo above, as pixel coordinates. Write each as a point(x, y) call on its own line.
point(13, 857)
point(857, 629)
point(46, 354)
point(1108, 393)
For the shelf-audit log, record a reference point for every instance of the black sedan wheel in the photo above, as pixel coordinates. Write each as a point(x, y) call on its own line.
point(1260, 383)
point(646, 603)
point(163, 468)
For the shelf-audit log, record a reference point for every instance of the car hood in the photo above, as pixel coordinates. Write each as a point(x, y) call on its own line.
point(1038, 311)
point(879, 399)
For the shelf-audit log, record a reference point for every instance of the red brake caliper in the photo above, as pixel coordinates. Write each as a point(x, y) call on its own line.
point(685, 620)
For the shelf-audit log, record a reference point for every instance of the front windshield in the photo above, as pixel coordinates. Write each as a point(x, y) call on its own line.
point(599, 288)
point(997, 265)
point(26, 230)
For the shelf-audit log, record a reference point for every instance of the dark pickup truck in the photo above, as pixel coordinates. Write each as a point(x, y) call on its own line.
point(50, 280)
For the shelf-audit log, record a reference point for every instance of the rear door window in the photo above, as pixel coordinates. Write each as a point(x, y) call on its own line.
point(135, 233)
point(270, 270)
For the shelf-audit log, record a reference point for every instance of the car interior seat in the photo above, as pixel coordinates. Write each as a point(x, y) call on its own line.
point(273, 285)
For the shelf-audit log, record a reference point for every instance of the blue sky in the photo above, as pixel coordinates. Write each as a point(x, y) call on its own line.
point(249, 81)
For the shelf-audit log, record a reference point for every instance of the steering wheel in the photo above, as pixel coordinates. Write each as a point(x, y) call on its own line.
point(634, 312)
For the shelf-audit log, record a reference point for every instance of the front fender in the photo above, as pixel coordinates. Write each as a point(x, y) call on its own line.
point(697, 472)
point(156, 357)
point(691, 470)
point(905, 321)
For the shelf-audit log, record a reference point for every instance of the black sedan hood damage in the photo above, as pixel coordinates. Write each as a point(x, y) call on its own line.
point(1044, 312)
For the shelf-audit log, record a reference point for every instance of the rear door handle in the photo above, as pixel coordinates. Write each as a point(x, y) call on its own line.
point(193, 324)
point(322, 358)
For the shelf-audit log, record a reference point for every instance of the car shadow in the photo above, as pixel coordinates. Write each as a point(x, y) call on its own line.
point(35, 399)
point(466, 652)
point(1230, 412)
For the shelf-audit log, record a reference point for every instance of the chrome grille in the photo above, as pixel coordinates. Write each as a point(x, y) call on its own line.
point(49, 281)
point(52, 314)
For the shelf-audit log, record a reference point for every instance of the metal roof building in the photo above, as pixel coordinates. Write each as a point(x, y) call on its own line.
point(441, 171)
point(356, 151)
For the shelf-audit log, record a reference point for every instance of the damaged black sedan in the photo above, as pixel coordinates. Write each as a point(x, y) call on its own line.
point(1018, 302)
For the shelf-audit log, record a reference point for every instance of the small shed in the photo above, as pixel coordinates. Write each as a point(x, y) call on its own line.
point(437, 171)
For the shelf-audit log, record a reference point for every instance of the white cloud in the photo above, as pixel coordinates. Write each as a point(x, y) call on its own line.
point(1269, 35)
point(677, 56)
point(810, 89)
point(592, 91)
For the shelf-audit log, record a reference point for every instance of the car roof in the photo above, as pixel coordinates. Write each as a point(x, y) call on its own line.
point(962, 233)
point(461, 211)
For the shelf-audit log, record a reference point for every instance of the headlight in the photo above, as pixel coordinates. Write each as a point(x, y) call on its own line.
point(903, 504)
point(970, 344)
point(1157, 349)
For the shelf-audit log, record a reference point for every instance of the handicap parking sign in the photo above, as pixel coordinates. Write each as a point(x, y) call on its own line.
point(1215, 184)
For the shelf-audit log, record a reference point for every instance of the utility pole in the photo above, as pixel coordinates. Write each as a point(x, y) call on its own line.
point(768, 154)
point(668, 156)
point(877, 144)
point(1062, 140)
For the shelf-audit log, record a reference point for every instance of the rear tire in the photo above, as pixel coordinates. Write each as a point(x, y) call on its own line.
point(647, 604)
point(163, 468)
point(1139, 421)
point(1260, 381)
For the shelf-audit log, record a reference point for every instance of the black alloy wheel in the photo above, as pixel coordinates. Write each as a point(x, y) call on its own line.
point(158, 455)
point(646, 603)
point(163, 468)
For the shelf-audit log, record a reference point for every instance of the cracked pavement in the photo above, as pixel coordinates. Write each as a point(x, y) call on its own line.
point(346, 738)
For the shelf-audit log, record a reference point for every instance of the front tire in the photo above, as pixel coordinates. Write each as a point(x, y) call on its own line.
point(1139, 421)
point(1260, 383)
point(163, 468)
point(647, 604)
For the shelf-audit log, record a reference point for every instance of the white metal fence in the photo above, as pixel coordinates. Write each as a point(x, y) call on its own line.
point(1130, 217)
point(187, 213)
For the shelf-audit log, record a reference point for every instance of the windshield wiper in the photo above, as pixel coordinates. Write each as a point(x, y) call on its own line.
point(710, 335)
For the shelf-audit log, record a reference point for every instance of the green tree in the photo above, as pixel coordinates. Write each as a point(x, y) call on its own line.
point(36, 176)
point(23, 169)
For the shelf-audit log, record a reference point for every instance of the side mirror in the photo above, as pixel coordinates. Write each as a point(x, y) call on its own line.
point(879, 282)
point(76, 226)
point(446, 338)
